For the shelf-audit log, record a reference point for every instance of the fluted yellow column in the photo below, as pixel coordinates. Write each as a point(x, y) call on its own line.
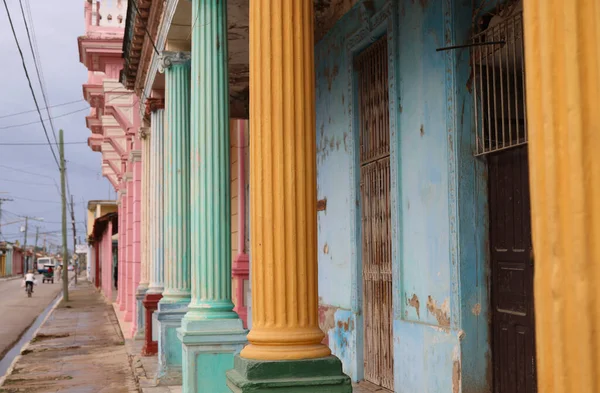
point(563, 93)
point(283, 183)
point(285, 351)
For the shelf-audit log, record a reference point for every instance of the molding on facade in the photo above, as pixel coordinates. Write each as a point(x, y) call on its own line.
point(135, 156)
point(153, 104)
point(163, 30)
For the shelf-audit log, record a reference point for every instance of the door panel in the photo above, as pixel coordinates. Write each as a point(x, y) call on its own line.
point(374, 155)
point(513, 323)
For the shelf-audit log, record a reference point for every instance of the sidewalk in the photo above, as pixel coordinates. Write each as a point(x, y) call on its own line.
point(78, 349)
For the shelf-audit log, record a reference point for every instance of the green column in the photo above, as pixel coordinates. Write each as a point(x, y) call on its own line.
point(211, 331)
point(176, 295)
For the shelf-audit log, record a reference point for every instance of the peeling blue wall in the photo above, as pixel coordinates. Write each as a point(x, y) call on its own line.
point(439, 211)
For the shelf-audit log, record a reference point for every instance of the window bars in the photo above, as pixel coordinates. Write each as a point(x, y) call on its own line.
point(498, 65)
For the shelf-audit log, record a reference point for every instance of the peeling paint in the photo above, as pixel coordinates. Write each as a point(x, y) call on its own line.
point(440, 313)
point(414, 302)
point(330, 75)
point(422, 130)
point(325, 249)
point(326, 320)
point(476, 309)
point(456, 376)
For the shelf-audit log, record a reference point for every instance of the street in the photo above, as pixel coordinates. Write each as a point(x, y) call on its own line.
point(18, 311)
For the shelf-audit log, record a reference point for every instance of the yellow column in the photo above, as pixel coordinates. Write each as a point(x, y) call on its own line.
point(283, 183)
point(563, 93)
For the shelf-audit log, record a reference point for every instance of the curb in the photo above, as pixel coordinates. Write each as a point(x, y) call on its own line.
point(11, 368)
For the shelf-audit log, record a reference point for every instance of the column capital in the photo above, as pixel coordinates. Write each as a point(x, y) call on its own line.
point(168, 59)
point(135, 156)
point(145, 133)
point(127, 177)
point(153, 104)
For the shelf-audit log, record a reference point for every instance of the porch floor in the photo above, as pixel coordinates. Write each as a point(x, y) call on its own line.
point(368, 387)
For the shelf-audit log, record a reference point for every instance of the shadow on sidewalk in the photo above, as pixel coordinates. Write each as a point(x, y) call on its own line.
point(79, 348)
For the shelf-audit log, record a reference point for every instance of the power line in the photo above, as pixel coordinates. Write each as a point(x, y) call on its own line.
point(35, 122)
point(37, 63)
point(26, 182)
point(39, 144)
point(65, 114)
point(21, 170)
point(33, 110)
point(29, 81)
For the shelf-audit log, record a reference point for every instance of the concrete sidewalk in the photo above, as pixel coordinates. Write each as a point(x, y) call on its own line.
point(78, 349)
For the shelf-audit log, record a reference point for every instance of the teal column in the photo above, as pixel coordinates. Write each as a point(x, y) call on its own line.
point(176, 295)
point(211, 332)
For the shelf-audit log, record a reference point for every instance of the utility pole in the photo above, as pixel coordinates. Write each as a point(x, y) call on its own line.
point(37, 233)
point(63, 194)
point(75, 264)
point(1, 201)
point(27, 267)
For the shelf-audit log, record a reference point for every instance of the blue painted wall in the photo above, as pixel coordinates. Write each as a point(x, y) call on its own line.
point(439, 211)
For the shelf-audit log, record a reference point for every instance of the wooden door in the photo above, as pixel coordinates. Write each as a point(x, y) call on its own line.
point(374, 140)
point(513, 337)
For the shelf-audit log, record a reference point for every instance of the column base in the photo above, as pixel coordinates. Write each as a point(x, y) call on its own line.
point(169, 316)
point(150, 330)
point(323, 375)
point(209, 347)
point(141, 313)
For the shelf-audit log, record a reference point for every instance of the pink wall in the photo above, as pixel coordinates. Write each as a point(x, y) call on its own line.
point(240, 269)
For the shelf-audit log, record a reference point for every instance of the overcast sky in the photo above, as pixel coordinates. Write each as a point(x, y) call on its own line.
point(29, 174)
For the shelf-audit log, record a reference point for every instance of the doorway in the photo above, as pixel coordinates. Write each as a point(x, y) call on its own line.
point(513, 322)
point(374, 156)
point(498, 65)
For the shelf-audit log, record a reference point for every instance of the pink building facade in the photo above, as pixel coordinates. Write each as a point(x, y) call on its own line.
point(114, 121)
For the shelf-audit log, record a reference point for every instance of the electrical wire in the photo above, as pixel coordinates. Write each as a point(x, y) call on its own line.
point(37, 64)
point(39, 144)
point(42, 120)
point(33, 110)
point(29, 81)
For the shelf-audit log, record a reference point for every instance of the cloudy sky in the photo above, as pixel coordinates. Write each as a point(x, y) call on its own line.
point(28, 173)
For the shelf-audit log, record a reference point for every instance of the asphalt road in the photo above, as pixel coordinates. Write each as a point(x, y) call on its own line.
point(18, 312)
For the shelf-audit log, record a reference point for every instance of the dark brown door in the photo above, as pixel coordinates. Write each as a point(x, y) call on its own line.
point(374, 137)
point(513, 340)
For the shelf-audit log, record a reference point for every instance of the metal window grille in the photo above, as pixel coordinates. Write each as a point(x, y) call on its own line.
point(374, 137)
point(498, 64)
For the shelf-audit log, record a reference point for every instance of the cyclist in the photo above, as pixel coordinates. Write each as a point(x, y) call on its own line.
point(29, 280)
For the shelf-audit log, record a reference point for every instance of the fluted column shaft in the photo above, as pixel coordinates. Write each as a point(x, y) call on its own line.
point(563, 91)
point(146, 158)
point(283, 183)
point(210, 180)
point(176, 66)
point(123, 231)
point(156, 240)
point(120, 248)
point(130, 290)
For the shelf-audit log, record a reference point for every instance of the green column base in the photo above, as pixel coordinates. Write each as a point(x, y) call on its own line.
point(323, 375)
point(208, 350)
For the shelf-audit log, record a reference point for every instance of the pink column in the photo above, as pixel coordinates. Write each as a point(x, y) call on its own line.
point(120, 250)
point(129, 291)
point(123, 262)
point(107, 262)
point(241, 263)
point(137, 227)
